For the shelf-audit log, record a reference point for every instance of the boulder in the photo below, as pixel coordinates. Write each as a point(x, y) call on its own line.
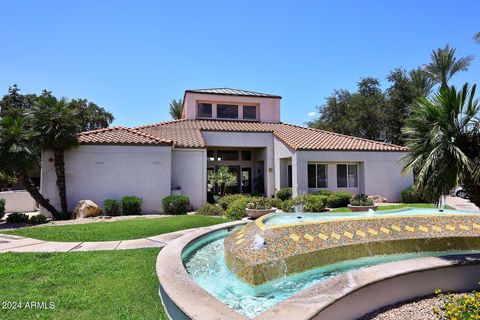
point(378, 199)
point(86, 209)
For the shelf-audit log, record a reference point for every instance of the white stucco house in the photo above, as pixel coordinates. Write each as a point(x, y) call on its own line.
point(237, 128)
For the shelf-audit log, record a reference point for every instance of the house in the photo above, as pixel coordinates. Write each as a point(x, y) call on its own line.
point(237, 128)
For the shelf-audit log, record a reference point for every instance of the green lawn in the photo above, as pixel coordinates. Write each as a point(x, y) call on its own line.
point(399, 206)
point(117, 230)
point(81, 285)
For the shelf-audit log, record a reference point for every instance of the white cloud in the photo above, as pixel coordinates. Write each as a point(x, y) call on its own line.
point(311, 114)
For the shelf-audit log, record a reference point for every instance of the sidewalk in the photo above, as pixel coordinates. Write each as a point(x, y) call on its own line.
point(12, 243)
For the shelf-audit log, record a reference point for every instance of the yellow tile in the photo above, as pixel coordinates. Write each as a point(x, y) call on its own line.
point(449, 227)
point(322, 236)
point(373, 232)
point(294, 237)
point(463, 227)
point(348, 234)
point(385, 230)
point(240, 241)
point(396, 228)
point(422, 228)
point(335, 235)
point(476, 226)
point(437, 229)
point(361, 233)
point(408, 228)
point(308, 237)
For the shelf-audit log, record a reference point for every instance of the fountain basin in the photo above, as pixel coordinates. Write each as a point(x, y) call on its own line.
point(296, 247)
point(361, 208)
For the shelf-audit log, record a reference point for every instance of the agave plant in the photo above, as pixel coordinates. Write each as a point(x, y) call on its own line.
point(443, 138)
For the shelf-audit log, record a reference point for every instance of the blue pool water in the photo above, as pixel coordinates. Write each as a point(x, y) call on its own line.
point(204, 261)
point(286, 218)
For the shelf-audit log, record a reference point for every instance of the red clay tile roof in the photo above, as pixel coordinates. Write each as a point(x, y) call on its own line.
point(120, 135)
point(187, 134)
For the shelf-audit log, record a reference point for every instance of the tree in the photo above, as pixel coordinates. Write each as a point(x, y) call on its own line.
point(92, 116)
point(15, 103)
point(222, 178)
point(176, 108)
point(443, 138)
point(58, 125)
point(476, 37)
point(19, 153)
point(443, 65)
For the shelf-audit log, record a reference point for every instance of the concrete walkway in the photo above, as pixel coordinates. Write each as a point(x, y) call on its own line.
point(461, 204)
point(13, 243)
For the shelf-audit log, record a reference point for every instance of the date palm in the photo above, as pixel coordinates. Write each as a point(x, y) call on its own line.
point(476, 37)
point(176, 108)
point(443, 138)
point(19, 154)
point(222, 178)
point(443, 65)
point(58, 124)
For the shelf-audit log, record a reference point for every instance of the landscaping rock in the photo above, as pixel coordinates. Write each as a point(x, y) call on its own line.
point(86, 209)
point(378, 199)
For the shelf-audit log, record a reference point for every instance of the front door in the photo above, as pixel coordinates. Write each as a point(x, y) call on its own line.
point(246, 180)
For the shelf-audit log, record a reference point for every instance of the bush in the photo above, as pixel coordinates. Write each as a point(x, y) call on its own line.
point(314, 203)
point(37, 219)
point(211, 210)
point(112, 207)
point(361, 200)
point(339, 199)
point(63, 216)
point(16, 217)
point(410, 195)
point(275, 202)
point(2, 208)
point(236, 210)
point(287, 206)
point(284, 194)
point(259, 203)
point(131, 205)
point(226, 201)
point(323, 193)
point(176, 204)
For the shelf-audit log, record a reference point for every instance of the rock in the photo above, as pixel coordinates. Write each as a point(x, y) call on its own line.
point(86, 209)
point(378, 198)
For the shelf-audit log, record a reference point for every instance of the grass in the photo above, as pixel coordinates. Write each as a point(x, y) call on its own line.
point(117, 230)
point(398, 206)
point(81, 285)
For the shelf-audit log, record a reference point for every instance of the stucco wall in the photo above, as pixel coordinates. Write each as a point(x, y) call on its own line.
point(379, 172)
point(99, 172)
point(189, 171)
point(284, 156)
point(18, 201)
point(269, 108)
point(248, 140)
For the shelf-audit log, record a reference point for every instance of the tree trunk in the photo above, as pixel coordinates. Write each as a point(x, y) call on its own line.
point(36, 195)
point(59, 163)
point(473, 189)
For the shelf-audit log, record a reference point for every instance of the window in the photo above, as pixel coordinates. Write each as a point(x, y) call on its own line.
point(250, 112)
point(227, 155)
point(210, 155)
point(317, 175)
point(227, 111)
point(246, 155)
point(204, 110)
point(347, 176)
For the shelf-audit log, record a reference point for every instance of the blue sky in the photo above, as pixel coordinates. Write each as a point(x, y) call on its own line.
point(133, 57)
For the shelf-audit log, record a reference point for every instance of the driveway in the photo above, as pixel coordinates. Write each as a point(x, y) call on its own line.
point(461, 204)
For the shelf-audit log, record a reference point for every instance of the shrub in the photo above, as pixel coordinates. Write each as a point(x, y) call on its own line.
point(112, 207)
point(37, 219)
point(314, 203)
point(63, 216)
point(176, 204)
point(458, 306)
point(211, 210)
point(284, 194)
point(226, 201)
point(323, 193)
point(131, 205)
point(361, 200)
point(259, 203)
point(275, 202)
point(287, 206)
point(411, 195)
point(2, 208)
point(16, 217)
point(236, 210)
point(339, 199)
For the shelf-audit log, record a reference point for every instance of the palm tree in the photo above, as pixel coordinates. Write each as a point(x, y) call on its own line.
point(19, 153)
point(176, 108)
point(222, 178)
point(58, 125)
point(443, 65)
point(422, 81)
point(476, 37)
point(443, 138)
